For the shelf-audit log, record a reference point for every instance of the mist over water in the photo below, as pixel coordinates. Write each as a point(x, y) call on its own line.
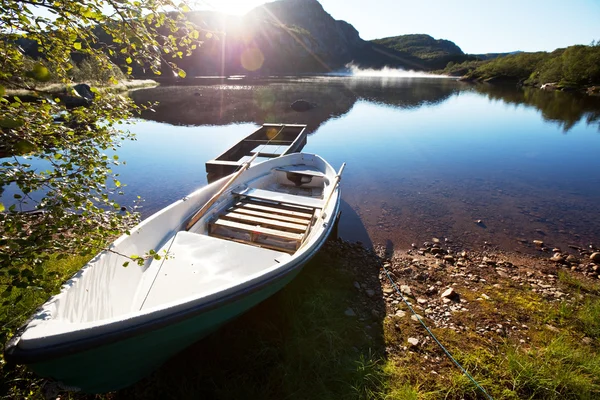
point(386, 72)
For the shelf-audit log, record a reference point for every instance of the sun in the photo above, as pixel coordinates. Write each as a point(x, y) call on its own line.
point(233, 7)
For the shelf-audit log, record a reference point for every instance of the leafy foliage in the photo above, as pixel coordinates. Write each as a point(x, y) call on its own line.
point(59, 159)
point(574, 66)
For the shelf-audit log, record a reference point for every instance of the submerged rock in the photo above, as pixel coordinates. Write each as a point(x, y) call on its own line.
point(302, 105)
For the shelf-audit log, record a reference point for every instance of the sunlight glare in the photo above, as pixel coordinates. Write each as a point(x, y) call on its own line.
point(234, 7)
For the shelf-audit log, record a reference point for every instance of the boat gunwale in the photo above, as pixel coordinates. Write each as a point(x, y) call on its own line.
point(14, 354)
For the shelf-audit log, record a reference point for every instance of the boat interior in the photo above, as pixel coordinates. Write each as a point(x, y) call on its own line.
point(261, 223)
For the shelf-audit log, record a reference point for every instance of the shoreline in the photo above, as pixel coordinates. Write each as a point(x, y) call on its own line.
point(56, 88)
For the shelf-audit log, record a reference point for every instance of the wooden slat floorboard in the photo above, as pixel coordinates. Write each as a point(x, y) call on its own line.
point(256, 213)
point(258, 229)
point(277, 209)
point(266, 222)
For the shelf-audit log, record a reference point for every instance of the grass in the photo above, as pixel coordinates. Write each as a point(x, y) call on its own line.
point(299, 344)
point(15, 309)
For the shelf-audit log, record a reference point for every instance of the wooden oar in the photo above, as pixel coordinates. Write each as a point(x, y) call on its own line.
point(216, 196)
point(335, 183)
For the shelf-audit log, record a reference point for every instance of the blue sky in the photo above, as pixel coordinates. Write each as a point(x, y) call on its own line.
point(477, 26)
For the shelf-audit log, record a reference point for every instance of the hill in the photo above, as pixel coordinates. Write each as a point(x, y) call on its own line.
point(434, 53)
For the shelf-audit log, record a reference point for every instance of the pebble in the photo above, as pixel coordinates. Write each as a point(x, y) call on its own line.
point(414, 342)
point(572, 259)
point(370, 292)
point(388, 290)
point(400, 314)
point(350, 313)
point(421, 300)
point(595, 257)
point(357, 285)
point(406, 290)
point(450, 294)
point(538, 243)
point(416, 317)
point(557, 258)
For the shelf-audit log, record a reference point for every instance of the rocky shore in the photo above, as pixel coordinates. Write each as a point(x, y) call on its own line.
point(474, 301)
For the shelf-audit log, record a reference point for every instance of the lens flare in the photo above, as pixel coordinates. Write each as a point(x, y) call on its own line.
point(252, 58)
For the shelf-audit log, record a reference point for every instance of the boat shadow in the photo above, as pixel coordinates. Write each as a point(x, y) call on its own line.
point(319, 337)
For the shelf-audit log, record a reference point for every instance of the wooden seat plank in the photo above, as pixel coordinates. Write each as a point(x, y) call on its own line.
point(289, 226)
point(285, 218)
point(258, 229)
point(301, 170)
point(278, 209)
point(280, 197)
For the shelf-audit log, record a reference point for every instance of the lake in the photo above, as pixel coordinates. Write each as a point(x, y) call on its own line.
point(426, 157)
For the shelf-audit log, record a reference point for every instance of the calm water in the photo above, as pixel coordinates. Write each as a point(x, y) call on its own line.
point(426, 157)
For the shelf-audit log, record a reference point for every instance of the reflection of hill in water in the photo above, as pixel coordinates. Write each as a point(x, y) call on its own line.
point(269, 100)
point(223, 102)
point(565, 109)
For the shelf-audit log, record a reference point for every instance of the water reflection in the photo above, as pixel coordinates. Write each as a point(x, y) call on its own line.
point(426, 157)
point(564, 109)
point(223, 102)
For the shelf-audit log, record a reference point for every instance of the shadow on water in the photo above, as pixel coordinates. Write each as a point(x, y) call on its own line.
point(351, 227)
point(320, 337)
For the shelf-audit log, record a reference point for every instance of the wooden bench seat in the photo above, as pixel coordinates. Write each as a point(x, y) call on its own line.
point(278, 197)
point(301, 170)
point(264, 224)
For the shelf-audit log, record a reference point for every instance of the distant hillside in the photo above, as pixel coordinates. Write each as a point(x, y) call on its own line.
point(434, 53)
point(490, 56)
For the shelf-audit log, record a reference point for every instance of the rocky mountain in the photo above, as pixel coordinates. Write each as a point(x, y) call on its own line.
point(434, 53)
point(299, 36)
point(286, 36)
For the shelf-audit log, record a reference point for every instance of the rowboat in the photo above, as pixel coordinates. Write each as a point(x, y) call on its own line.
point(228, 246)
point(268, 141)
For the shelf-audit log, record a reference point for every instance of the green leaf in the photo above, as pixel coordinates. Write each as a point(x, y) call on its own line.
point(77, 45)
point(41, 73)
point(117, 184)
point(11, 123)
point(2, 208)
point(25, 146)
point(126, 263)
point(181, 73)
point(128, 60)
point(2, 91)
